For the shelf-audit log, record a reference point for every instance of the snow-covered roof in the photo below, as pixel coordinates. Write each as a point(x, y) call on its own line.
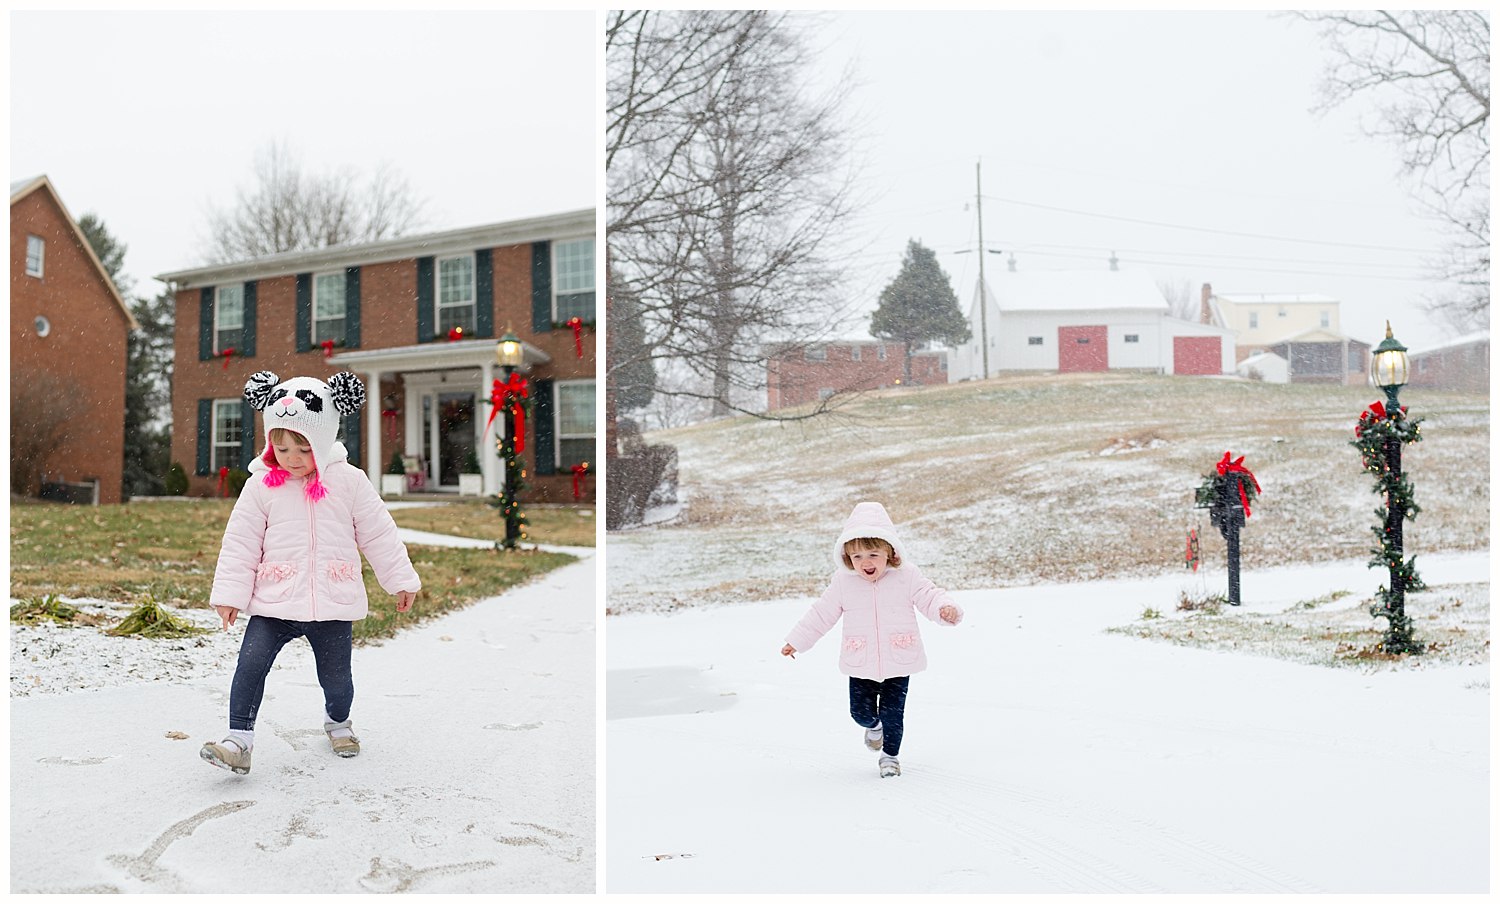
point(1075, 290)
point(1468, 339)
point(19, 186)
point(1259, 357)
point(1318, 335)
point(1260, 298)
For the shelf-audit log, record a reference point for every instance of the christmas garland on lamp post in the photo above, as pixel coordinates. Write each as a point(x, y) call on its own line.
point(1379, 434)
point(513, 393)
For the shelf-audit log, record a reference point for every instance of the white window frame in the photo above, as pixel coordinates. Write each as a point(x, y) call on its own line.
point(557, 418)
point(36, 262)
point(1324, 319)
point(854, 353)
point(343, 297)
point(437, 293)
point(215, 460)
point(1132, 337)
point(219, 311)
point(880, 353)
point(573, 288)
point(815, 353)
point(1254, 320)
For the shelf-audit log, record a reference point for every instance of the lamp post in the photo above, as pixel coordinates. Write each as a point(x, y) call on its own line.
point(508, 356)
point(1389, 369)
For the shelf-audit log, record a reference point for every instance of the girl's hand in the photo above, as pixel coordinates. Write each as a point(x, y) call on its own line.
point(404, 599)
point(789, 651)
point(227, 615)
point(949, 614)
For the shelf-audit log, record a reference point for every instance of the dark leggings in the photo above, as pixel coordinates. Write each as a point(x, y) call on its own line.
point(332, 645)
point(880, 702)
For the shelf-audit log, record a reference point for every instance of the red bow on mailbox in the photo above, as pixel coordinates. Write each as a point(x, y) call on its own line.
point(1237, 466)
point(510, 393)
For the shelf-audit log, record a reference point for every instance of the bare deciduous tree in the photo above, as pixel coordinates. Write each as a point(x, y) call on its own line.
point(728, 181)
point(286, 209)
point(1182, 302)
point(1430, 70)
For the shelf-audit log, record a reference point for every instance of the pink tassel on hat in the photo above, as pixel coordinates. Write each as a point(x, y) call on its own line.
point(277, 475)
point(315, 489)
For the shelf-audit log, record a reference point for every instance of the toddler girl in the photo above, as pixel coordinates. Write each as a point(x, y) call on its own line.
point(878, 595)
point(290, 557)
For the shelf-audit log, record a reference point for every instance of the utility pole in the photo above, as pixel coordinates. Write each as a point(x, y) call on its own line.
point(984, 338)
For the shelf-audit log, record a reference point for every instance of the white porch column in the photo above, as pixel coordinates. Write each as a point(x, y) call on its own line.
point(374, 463)
point(488, 460)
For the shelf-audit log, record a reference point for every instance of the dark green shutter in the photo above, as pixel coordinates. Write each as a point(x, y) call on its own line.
point(541, 287)
point(247, 434)
point(352, 433)
point(543, 437)
point(484, 293)
point(426, 328)
point(205, 435)
point(351, 309)
point(248, 341)
point(304, 312)
point(205, 323)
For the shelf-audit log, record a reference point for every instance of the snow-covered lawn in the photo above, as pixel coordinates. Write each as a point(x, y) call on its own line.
point(476, 775)
point(1045, 753)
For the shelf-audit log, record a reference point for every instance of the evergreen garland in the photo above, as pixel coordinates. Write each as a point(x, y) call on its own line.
point(1378, 426)
point(506, 501)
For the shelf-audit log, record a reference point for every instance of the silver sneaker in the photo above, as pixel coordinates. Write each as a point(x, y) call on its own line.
point(875, 737)
point(228, 754)
point(889, 766)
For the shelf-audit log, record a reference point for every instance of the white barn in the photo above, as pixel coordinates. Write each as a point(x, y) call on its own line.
point(1084, 320)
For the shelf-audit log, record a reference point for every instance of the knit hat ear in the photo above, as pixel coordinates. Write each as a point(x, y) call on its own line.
point(258, 388)
point(347, 391)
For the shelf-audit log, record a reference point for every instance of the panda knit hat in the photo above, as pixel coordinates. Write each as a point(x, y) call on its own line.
point(308, 406)
point(869, 519)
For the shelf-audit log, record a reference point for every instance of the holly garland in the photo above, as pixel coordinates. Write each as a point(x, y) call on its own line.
point(513, 394)
point(1376, 428)
point(1208, 491)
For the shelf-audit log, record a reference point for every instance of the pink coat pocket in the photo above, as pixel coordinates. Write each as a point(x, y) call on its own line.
point(345, 582)
point(906, 647)
point(856, 650)
point(274, 581)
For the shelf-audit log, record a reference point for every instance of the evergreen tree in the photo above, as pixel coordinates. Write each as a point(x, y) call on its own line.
point(109, 250)
point(919, 305)
point(632, 370)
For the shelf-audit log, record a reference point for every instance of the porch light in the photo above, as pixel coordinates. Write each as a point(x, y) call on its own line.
point(1389, 368)
point(508, 350)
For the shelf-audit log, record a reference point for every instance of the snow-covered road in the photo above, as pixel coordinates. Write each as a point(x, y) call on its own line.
point(477, 772)
point(1043, 755)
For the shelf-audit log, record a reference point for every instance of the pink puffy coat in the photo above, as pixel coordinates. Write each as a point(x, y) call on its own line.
point(287, 556)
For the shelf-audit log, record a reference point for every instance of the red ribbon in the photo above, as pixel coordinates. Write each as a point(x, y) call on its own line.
point(328, 348)
point(577, 324)
point(500, 396)
point(455, 334)
point(1237, 466)
point(227, 353)
point(1375, 412)
point(389, 416)
point(223, 481)
point(578, 472)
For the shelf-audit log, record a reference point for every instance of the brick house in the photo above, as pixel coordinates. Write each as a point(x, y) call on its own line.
point(69, 331)
point(416, 318)
point(1460, 365)
point(803, 374)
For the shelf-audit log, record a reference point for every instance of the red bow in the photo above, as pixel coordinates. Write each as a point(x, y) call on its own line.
point(227, 353)
point(223, 481)
point(1237, 466)
point(455, 334)
point(389, 416)
point(577, 324)
point(1375, 412)
point(328, 348)
point(500, 396)
point(578, 472)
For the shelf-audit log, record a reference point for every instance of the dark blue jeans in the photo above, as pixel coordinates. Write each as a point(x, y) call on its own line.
point(332, 644)
point(884, 702)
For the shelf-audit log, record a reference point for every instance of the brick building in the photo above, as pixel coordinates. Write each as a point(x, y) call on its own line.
point(69, 331)
point(804, 374)
point(416, 319)
point(1460, 365)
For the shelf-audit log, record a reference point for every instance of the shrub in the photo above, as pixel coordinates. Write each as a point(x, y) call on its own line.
point(176, 483)
point(397, 465)
point(237, 478)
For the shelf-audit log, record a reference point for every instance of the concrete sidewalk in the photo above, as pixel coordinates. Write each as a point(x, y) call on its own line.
point(476, 775)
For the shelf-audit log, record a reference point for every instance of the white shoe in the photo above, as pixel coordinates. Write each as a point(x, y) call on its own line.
point(889, 766)
point(875, 737)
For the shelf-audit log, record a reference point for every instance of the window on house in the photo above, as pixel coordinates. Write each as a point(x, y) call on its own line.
point(228, 434)
point(815, 353)
point(36, 251)
point(1254, 319)
point(575, 422)
point(328, 308)
point(1323, 319)
point(573, 279)
point(854, 353)
point(1132, 337)
point(1033, 340)
point(229, 318)
point(880, 352)
point(1281, 312)
point(455, 293)
point(1082, 340)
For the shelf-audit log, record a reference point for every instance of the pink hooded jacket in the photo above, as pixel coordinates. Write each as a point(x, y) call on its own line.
point(286, 555)
point(881, 637)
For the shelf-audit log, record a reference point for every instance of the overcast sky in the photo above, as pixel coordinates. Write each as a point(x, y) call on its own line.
point(151, 119)
point(1084, 122)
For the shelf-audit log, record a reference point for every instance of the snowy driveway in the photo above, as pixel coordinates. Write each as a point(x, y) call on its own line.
point(477, 773)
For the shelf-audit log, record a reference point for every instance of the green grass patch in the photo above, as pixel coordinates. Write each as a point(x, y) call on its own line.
point(556, 525)
point(165, 553)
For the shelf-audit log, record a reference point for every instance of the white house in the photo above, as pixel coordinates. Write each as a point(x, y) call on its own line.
point(1084, 320)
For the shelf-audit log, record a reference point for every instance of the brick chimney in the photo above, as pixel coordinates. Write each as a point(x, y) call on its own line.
point(1205, 314)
